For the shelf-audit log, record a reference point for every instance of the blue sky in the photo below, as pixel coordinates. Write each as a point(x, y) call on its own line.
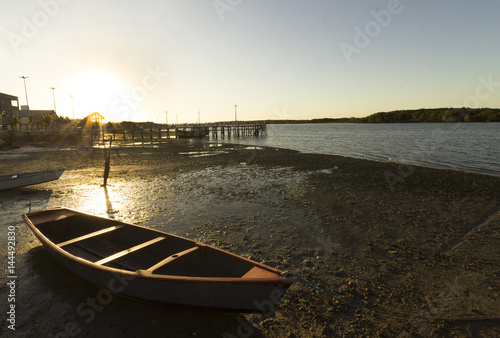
point(135, 60)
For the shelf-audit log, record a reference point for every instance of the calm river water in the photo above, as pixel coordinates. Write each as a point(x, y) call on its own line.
point(471, 147)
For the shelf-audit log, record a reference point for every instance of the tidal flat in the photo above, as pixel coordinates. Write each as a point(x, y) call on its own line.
point(416, 250)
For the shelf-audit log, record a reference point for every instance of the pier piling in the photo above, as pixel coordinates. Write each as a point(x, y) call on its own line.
point(165, 132)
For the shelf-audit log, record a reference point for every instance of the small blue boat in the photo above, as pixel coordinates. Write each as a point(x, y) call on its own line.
point(25, 179)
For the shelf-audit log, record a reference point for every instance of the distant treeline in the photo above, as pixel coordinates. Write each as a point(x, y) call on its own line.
point(413, 116)
point(396, 116)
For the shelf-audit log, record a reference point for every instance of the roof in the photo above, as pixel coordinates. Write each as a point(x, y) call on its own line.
point(36, 113)
point(7, 96)
point(96, 115)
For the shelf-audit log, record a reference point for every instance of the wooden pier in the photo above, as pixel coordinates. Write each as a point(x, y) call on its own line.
point(237, 129)
point(146, 133)
point(164, 132)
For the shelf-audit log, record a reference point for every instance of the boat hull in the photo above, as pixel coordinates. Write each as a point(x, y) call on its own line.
point(244, 294)
point(224, 295)
point(27, 179)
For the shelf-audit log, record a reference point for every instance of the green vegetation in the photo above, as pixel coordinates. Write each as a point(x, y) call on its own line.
point(435, 115)
point(413, 116)
point(14, 120)
point(45, 120)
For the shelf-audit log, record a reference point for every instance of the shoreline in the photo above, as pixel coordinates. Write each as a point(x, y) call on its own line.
point(71, 140)
point(427, 248)
point(443, 146)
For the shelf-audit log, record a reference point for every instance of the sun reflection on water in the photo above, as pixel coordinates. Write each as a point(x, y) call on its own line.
point(136, 202)
point(179, 204)
point(98, 200)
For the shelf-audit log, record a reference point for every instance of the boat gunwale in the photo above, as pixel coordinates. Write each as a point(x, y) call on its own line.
point(21, 180)
point(30, 174)
point(143, 274)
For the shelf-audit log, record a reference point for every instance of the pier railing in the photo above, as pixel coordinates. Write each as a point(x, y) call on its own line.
point(155, 132)
point(164, 132)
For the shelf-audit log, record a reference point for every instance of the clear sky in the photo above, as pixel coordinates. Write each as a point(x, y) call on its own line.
point(283, 59)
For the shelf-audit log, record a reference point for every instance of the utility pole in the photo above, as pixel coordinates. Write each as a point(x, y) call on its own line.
point(25, 90)
point(54, 96)
point(72, 107)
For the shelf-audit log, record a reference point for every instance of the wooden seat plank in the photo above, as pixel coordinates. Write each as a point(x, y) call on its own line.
point(172, 258)
point(121, 264)
point(92, 234)
point(129, 250)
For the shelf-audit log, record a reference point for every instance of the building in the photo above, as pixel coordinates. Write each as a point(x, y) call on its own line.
point(9, 107)
point(30, 116)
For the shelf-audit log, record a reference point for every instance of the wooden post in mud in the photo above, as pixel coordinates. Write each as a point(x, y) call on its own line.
point(107, 158)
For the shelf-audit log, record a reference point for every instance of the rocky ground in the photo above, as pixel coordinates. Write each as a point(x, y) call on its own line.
point(413, 251)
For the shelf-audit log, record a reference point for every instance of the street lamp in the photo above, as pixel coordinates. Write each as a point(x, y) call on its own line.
point(72, 107)
point(25, 90)
point(54, 97)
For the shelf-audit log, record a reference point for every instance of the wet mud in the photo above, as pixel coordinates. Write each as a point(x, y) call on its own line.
point(410, 246)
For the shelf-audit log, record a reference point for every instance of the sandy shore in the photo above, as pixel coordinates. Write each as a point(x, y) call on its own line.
point(413, 243)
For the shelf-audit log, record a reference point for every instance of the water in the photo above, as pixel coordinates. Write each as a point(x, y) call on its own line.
point(473, 147)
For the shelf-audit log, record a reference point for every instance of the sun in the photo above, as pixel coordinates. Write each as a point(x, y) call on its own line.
point(95, 91)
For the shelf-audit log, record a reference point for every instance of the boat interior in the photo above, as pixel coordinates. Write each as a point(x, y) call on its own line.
point(123, 246)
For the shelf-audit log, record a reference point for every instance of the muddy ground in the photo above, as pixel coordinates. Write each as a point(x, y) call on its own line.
point(414, 251)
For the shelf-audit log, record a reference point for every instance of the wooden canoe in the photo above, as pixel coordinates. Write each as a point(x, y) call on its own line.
point(150, 265)
point(22, 180)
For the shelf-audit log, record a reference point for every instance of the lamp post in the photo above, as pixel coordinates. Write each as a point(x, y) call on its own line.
point(25, 90)
point(54, 97)
point(235, 116)
point(72, 106)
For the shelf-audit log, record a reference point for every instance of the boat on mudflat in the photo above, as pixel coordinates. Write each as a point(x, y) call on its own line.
point(25, 179)
point(192, 132)
point(151, 265)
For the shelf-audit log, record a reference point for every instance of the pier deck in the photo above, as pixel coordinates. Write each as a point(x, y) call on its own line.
point(162, 132)
point(154, 132)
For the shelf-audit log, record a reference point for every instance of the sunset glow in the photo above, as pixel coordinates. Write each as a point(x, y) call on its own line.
point(95, 92)
point(278, 60)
